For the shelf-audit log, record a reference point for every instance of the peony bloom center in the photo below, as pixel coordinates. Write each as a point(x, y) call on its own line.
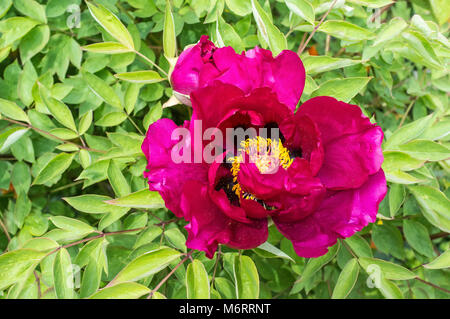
point(267, 154)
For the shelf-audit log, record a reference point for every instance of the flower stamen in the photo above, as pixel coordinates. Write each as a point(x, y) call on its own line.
point(267, 154)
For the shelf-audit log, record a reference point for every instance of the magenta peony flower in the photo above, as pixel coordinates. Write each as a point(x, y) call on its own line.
point(320, 179)
point(203, 63)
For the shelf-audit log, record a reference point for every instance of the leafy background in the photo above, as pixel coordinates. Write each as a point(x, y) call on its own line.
point(76, 218)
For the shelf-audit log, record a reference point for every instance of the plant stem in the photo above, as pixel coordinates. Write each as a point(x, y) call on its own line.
point(95, 237)
point(381, 11)
point(5, 230)
point(169, 274)
point(151, 62)
point(219, 252)
point(51, 135)
point(134, 124)
point(38, 283)
point(407, 111)
point(349, 249)
point(65, 186)
point(432, 285)
point(302, 47)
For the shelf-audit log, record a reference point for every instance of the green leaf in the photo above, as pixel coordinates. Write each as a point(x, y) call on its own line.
point(418, 237)
point(422, 47)
point(145, 77)
point(15, 28)
point(389, 289)
point(318, 64)
point(197, 282)
point(315, 264)
point(141, 199)
point(85, 122)
point(4, 7)
point(435, 205)
point(13, 111)
point(91, 278)
point(111, 24)
point(102, 90)
point(15, 265)
point(247, 278)
point(347, 280)
point(147, 236)
point(111, 119)
point(32, 9)
point(63, 275)
point(389, 270)
point(408, 132)
point(441, 262)
point(345, 30)
point(240, 7)
point(441, 10)
point(176, 238)
point(302, 8)
point(395, 160)
point(125, 290)
point(33, 42)
point(54, 167)
point(426, 150)
point(90, 250)
point(107, 48)
point(117, 180)
point(169, 37)
point(342, 89)
point(215, 11)
point(146, 265)
point(225, 288)
point(131, 97)
point(268, 250)
point(227, 36)
point(396, 198)
point(372, 3)
point(359, 246)
point(270, 33)
point(61, 113)
point(11, 136)
point(72, 225)
point(390, 31)
point(388, 239)
point(400, 177)
point(90, 203)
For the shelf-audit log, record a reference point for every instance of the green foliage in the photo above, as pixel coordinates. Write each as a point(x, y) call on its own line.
point(81, 81)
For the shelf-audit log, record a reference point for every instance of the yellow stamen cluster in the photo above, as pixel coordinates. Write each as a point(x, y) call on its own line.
point(267, 154)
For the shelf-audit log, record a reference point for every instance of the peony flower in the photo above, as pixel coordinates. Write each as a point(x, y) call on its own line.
point(203, 63)
point(318, 179)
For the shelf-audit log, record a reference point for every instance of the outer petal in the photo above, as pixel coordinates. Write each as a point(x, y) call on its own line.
point(209, 227)
point(350, 159)
point(340, 215)
point(352, 145)
point(186, 74)
point(164, 175)
point(285, 74)
point(203, 63)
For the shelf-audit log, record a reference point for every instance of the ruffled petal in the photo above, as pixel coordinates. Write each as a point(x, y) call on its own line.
point(350, 159)
point(303, 139)
point(340, 215)
point(284, 74)
point(208, 226)
point(351, 143)
point(186, 74)
point(198, 66)
point(163, 174)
